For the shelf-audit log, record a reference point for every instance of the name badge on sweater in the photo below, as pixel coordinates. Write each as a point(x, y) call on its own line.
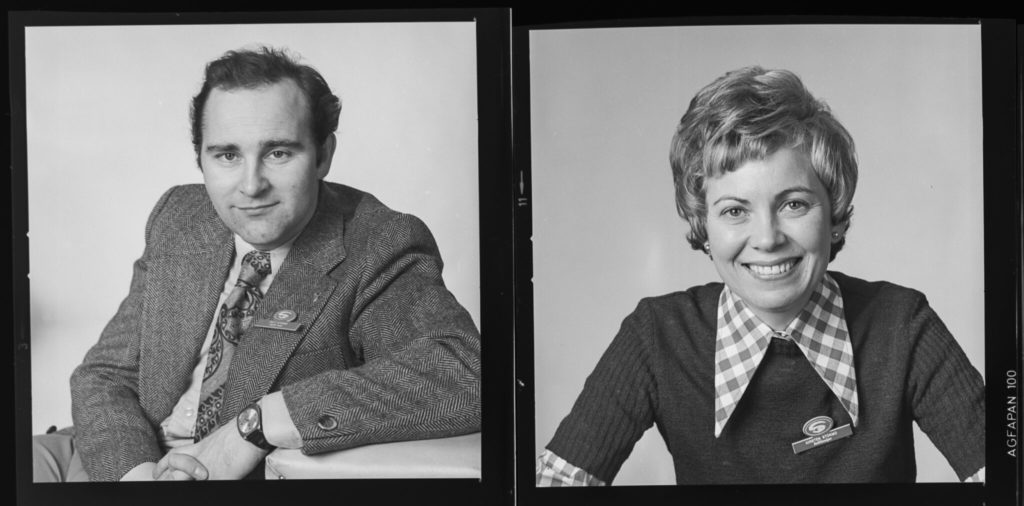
point(821, 432)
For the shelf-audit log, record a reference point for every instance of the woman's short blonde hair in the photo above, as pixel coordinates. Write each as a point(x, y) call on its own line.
point(749, 114)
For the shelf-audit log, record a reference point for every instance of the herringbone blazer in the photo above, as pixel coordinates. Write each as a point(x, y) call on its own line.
point(385, 352)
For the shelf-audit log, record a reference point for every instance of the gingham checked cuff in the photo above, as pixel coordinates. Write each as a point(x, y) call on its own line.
point(554, 471)
point(978, 477)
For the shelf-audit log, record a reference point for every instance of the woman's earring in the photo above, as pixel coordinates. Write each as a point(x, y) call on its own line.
point(835, 236)
point(707, 249)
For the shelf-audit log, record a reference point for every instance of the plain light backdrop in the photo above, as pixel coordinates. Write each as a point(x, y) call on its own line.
point(604, 104)
point(108, 133)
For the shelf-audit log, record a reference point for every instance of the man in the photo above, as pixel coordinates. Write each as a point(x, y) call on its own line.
point(271, 310)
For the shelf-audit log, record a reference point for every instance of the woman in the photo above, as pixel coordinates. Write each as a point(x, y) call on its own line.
point(783, 373)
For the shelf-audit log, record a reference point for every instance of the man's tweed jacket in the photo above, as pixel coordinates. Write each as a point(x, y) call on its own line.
point(385, 352)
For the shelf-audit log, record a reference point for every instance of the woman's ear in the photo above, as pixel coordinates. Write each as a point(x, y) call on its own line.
point(839, 230)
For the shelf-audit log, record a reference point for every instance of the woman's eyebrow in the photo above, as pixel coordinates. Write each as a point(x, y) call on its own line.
point(794, 189)
point(782, 194)
point(730, 197)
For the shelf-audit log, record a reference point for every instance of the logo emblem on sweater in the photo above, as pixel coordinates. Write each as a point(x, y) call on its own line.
point(817, 425)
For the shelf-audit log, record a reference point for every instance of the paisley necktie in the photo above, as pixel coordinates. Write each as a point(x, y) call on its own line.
point(234, 318)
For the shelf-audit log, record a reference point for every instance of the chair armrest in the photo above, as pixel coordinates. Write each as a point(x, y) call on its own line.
point(453, 457)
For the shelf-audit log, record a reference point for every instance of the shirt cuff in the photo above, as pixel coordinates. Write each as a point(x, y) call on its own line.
point(278, 427)
point(554, 471)
point(141, 472)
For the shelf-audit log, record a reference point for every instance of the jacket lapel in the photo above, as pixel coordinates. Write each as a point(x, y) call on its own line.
point(183, 283)
point(302, 286)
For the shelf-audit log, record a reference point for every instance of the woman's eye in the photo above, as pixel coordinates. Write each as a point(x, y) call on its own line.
point(734, 212)
point(796, 205)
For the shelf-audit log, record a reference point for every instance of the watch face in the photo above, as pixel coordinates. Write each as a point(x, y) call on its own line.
point(247, 420)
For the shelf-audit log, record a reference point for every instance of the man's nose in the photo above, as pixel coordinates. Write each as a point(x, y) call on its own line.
point(765, 233)
point(254, 181)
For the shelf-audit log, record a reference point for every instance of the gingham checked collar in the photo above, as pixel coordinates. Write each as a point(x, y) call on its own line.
point(819, 331)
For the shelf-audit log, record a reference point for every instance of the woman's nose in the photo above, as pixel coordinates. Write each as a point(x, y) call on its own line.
point(766, 234)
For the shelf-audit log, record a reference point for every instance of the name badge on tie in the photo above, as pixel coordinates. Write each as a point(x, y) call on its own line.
point(820, 431)
point(281, 320)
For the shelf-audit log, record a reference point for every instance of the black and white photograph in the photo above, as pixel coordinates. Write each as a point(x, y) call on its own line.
point(695, 321)
point(254, 251)
point(515, 256)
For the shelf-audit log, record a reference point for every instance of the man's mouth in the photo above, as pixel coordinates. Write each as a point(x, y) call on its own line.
point(772, 271)
point(255, 210)
point(256, 207)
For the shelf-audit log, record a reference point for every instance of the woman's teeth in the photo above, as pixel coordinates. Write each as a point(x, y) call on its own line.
point(771, 270)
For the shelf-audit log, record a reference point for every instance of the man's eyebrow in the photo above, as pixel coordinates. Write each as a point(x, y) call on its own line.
point(264, 145)
point(281, 143)
point(213, 148)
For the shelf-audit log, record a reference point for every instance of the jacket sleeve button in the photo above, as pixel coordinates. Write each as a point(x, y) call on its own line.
point(327, 422)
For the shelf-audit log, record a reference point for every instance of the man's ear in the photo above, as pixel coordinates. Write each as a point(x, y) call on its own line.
point(325, 155)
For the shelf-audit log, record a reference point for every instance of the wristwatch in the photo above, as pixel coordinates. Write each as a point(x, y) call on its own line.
point(250, 426)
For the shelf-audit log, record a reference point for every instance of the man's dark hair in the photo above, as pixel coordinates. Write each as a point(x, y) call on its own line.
point(261, 67)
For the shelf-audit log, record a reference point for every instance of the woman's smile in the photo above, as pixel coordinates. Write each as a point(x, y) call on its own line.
point(771, 271)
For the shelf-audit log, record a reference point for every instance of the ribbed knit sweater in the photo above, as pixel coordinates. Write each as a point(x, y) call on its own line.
point(659, 370)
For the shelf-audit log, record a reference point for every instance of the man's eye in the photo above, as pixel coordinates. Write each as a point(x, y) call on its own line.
point(228, 157)
point(279, 154)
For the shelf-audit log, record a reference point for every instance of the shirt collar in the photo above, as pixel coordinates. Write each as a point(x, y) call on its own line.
point(819, 331)
point(277, 256)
